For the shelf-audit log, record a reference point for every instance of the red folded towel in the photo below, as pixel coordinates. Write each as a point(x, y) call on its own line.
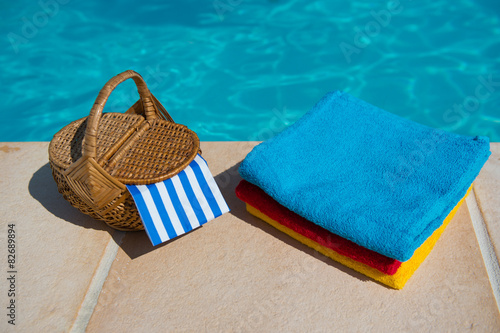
point(257, 198)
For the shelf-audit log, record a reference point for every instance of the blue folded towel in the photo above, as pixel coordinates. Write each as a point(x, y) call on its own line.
point(379, 180)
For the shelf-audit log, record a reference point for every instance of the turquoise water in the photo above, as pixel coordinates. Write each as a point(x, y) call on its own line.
point(244, 70)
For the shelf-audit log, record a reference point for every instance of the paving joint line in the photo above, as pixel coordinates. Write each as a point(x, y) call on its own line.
point(92, 295)
point(485, 245)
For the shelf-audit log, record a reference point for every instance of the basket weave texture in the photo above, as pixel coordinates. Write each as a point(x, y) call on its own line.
point(93, 157)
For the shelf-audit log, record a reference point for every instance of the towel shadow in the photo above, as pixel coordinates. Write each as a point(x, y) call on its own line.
point(135, 244)
point(228, 180)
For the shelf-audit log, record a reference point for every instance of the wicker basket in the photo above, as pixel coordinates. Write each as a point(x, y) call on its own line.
point(93, 157)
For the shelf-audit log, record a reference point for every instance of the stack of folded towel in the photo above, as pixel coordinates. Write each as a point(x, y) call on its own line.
point(362, 186)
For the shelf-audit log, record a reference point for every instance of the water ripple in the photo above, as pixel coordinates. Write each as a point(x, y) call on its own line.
point(225, 72)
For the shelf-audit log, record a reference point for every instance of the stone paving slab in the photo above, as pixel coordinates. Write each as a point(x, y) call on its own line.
point(487, 189)
point(57, 248)
point(237, 273)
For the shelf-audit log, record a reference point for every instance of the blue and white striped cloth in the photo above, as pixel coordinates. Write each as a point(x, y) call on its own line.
point(179, 204)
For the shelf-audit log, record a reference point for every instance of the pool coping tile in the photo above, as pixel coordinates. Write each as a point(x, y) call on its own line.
point(77, 274)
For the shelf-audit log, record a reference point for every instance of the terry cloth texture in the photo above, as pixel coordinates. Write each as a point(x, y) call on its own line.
point(384, 182)
point(179, 204)
point(258, 199)
point(397, 280)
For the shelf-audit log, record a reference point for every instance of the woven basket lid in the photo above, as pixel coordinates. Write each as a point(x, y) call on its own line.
point(159, 150)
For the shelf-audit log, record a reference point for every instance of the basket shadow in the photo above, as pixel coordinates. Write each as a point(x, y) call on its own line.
point(43, 188)
point(228, 180)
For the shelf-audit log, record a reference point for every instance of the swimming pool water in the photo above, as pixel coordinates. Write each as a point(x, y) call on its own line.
point(244, 70)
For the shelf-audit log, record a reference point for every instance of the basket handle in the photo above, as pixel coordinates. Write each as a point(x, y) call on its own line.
point(149, 105)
